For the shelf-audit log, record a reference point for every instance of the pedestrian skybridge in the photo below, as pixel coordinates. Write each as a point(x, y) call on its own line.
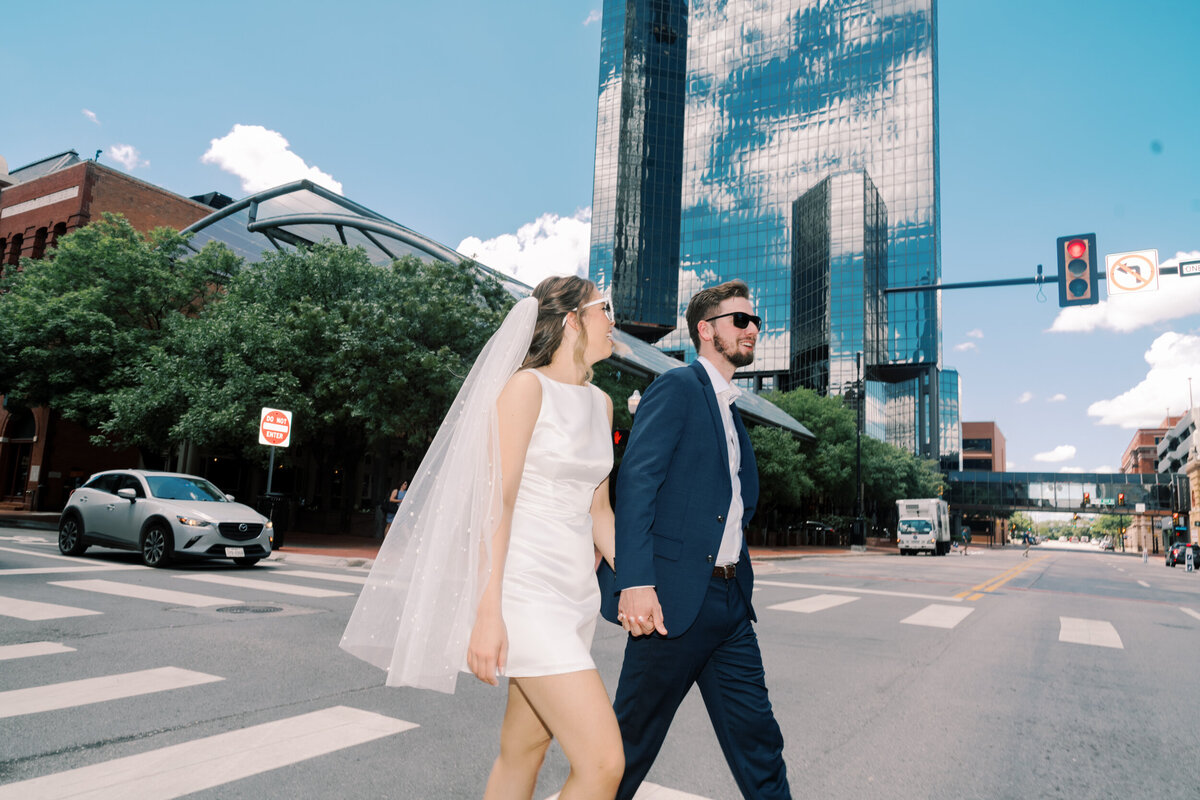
point(1078, 492)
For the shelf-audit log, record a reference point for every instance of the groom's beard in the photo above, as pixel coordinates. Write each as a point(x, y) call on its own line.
point(733, 353)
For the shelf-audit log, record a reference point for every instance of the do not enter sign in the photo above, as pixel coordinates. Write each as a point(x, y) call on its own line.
point(275, 427)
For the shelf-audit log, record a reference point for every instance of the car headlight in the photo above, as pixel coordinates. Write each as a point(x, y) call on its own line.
point(270, 524)
point(192, 522)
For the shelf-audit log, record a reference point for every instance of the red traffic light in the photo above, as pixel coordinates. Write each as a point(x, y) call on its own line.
point(1078, 277)
point(1076, 248)
point(620, 436)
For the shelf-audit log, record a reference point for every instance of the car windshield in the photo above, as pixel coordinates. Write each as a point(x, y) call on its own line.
point(178, 487)
point(915, 526)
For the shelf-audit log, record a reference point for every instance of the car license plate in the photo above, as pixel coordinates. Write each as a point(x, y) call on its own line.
point(235, 552)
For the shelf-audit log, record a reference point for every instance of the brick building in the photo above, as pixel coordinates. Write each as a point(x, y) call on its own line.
point(43, 457)
point(1141, 457)
point(983, 450)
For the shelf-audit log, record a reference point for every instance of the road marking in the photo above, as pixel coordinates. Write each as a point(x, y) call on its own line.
point(1095, 632)
point(58, 570)
point(55, 696)
point(936, 616)
point(168, 596)
point(789, 585)
point(995, 583)
point(269, 586)
point(818, 602)
point(1143, 583)
point(652, 791)
point(323, 576)
point(1189, 612)
point(975, 597)
point(201, 764)
point(30, 649)
point(83, 562)
point(34, 611)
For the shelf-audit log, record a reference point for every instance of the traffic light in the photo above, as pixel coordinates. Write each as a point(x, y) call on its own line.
point(1078, 277)
point(1087, 498)
point(1120, 498)
point(620, 436)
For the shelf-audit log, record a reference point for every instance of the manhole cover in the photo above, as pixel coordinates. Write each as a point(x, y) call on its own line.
point(249, 609)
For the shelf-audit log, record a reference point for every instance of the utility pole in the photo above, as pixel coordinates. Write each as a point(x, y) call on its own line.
point(860, 536)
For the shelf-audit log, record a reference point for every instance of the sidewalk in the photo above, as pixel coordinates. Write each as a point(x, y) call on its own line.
point(360, 551)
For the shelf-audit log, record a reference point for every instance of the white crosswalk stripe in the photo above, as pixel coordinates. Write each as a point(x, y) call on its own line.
point(31, 649)
point(201, 764)
point(267, 586)
point(652, 791)
point(809, 605)
point(35, 612)
point(55, 696)
point(1094, 632)
point(1190, 612)
point(169, 596)
point(938, 616)
point(323, 576)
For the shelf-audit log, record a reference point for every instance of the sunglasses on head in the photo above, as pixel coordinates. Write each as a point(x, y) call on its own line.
point(740, 319)
point(608, 309)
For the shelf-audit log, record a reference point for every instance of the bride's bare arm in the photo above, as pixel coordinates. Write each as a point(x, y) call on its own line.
point(517, 408)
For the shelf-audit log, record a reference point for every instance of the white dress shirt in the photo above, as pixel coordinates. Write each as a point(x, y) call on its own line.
point(731, 539)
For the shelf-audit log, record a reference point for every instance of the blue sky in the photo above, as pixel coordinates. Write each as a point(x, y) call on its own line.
point(474, 123)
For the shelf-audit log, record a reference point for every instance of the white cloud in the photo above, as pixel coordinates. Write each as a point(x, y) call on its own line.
point(1025, 397)
point(965, 346)
point(1058, 398)
point(262, 159)
point(1176, 297)
point(1173, 358)
point(1104, 468)
point(1071, 469)
point(91, 115)
point(593, 16)
point(127, 156)
point(1064, 452)
point(550, 245)
point(975, 334)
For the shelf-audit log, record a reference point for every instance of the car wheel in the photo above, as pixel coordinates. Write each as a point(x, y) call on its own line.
point(156, 546)
point(70, 537)
point(246, 562)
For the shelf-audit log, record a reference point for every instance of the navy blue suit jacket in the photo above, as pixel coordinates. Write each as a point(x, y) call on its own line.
point(673, 493)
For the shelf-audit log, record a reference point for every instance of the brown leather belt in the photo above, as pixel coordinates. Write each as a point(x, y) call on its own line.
point(728, 571)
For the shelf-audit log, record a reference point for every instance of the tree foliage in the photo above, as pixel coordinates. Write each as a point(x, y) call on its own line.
point(76, 327)
point(359, 353)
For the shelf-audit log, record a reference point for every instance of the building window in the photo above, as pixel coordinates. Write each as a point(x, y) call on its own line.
point(39, 243)
point(14, 251)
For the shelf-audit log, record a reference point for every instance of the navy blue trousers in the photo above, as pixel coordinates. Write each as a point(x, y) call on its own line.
point(720, 654)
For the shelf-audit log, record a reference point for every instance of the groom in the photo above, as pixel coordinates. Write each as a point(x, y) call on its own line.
point(686, 488)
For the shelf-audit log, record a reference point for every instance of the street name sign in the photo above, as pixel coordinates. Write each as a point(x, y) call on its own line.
point(275, 427)
point(1189, 269)
point(1136, 271)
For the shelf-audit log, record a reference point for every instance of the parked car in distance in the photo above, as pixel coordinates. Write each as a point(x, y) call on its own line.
point(1177, 554)
point(163, 515)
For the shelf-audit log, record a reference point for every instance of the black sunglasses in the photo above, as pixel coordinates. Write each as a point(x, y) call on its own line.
point(740, 319)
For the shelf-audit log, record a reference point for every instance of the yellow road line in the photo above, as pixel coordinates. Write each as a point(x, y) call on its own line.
point(995, 583)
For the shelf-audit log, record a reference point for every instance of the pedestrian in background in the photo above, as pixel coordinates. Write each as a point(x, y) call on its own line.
point(966, 536)
point(492, 566)
point(394, 501)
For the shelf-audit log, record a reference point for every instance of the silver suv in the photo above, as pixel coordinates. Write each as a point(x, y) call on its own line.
point(163, 515)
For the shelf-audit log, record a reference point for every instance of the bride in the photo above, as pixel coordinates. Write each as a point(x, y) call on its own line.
point(490, 564)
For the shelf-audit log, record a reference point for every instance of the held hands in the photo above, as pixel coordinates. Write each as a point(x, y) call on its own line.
point(487, 652)
point(639, 612)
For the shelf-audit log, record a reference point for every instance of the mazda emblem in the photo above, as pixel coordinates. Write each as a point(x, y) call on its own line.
point(243, 527)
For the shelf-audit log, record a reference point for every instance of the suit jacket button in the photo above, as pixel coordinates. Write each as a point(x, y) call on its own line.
point(711, 559)
point(720, 518)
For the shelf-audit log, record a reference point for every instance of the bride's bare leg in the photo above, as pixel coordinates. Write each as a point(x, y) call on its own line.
point(523, 743)
point(577, 710)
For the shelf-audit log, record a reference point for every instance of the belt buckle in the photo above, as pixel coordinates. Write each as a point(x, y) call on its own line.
point(727, 571)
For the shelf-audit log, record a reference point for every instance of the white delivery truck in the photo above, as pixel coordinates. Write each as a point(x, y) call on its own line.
point(924, 526)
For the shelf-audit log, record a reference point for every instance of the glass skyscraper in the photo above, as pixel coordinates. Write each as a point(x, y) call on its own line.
point(779, 97)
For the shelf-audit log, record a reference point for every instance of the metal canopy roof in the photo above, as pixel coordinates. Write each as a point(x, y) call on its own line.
point(303, 213)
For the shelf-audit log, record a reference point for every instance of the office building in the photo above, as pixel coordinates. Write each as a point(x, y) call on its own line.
point(777, 100)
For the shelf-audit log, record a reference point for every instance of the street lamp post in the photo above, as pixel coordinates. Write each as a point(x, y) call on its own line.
point(860, 538)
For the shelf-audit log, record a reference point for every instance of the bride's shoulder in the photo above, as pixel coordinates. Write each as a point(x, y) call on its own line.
point(523, 385)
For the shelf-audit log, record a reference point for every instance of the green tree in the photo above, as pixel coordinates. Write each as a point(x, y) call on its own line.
point(362, 355)
point(76, 327)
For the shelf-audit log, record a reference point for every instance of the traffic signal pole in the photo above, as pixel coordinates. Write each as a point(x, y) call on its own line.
point(1035, 281)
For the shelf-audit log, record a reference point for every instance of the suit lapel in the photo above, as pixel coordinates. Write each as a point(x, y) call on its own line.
point(710, 397)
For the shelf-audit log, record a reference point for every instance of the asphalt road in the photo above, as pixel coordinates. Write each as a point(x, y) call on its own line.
point(1069, 674)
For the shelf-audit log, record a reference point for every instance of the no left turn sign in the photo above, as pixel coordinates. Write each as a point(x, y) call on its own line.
point(275, 427)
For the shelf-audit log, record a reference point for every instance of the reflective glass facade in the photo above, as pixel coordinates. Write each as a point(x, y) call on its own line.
point(1058, 491)
point(639, 161)
point(950, 421)
point(780, 95)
